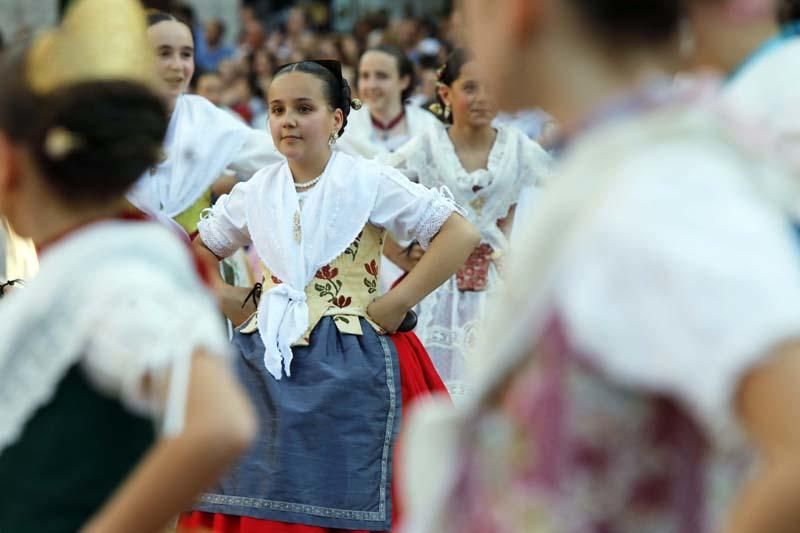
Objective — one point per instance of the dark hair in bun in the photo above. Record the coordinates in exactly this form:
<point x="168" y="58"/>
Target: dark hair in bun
<point x="634" y="21"/>
<point x="335" y="88"/>
<point x="91" y="141"/>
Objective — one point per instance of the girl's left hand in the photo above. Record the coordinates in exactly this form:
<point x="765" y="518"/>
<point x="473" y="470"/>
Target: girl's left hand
<point x="387" y="312"/>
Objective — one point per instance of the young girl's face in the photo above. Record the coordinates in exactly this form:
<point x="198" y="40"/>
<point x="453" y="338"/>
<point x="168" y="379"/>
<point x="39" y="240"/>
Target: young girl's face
<point x="379" y="81"/>
<point x="472" y="101"/>
<point x="174" y="48"/>
<point x="300" y="119"/>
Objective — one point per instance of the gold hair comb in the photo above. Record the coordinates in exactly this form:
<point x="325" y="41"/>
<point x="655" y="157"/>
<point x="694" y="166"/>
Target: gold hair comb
<point x="99" y="40"/>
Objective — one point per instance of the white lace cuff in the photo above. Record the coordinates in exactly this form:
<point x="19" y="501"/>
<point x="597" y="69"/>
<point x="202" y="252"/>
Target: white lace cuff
<point x="214" y="237"/>
<point x="439" y="210"/>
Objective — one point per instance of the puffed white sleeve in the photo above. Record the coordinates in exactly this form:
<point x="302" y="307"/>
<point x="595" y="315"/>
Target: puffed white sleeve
<point x="257" y="152"/>
<point x="409" y="159"/>
<point x="411" y="211"/>
<point x="223" y="227"/>
<point x="145" y="332"/>
<point x="683" y="282"/>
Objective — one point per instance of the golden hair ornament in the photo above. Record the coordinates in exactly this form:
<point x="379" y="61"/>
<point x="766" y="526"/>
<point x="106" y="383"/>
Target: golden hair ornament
<point x="436" y="109"/>
<point x="98" y="40"/>
<point x="356" y="104"/>
<point x="440" y="72"/>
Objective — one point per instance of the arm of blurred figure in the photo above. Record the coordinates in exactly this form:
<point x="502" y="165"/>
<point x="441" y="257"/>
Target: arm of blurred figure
<point x="219" y="427"/>
<point x="770" y="412"/>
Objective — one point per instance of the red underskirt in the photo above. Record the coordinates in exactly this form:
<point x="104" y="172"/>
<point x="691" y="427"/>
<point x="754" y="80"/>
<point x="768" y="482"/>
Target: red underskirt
<point x="418" y="378"/>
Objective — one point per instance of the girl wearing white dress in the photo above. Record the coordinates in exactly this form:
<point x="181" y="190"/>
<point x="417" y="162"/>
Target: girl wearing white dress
<point x="485" y="168"/>
<point x="202" y="140"/>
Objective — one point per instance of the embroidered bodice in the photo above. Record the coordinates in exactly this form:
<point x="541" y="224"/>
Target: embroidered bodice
<point x="342" y="289"/>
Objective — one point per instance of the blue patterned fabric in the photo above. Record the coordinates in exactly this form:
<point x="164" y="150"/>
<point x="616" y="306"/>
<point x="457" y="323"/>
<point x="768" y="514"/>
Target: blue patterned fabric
<point x="324" y="452"/>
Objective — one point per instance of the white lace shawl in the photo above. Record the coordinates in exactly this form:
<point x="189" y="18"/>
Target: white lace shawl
<point x="515" y="163"/>
<point x="201" y="142"/>
<point x="123" y="300"/>
<point x="352" y="192"/>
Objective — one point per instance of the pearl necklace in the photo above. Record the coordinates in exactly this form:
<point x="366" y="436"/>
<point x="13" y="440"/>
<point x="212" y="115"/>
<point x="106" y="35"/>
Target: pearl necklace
<point x="308" y="184"/>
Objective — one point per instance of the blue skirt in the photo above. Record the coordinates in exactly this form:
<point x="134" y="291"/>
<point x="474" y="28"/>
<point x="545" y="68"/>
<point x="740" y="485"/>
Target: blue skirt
<point x="323" y="455"/>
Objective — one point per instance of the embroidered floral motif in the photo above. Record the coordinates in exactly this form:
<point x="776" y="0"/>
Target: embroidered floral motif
<point x="342" y="301"/>
<point x="371" y="283"/>
<point x="332" y="287"/>
<point x="477" y="204"/>
<point x="474" y="275"/>
<point x="327" y="273"/>
<point x="352" y="250"/>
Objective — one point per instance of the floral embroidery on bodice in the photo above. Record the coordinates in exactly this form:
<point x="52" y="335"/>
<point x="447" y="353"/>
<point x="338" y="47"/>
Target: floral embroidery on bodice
<point x="562" y="450"/>
<point x="342" y="289"/>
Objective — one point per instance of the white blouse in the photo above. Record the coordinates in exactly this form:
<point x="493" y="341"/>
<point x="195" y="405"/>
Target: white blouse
<point x="515" y="163"/>
<point x="405" y="209"/>
<point x="295" y="242"/>
<point x="201" y="142"/>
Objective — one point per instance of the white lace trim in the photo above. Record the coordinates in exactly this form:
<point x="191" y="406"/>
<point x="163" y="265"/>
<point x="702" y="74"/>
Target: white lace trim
<point x="71" y="310"/>
<point x="153" y="332"/>
<point x="515" y="162"/>
<point x="441" y="207"/>
<point x="213" y="237"/>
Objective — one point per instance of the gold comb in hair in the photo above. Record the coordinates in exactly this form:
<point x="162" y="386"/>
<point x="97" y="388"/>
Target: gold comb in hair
<point x="98" y="40"/>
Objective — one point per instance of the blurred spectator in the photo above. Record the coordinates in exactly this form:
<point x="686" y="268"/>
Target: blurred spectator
<point x="350" y="50"/>
<point x="211" y="49"/>
<point x="209" y="86"/>
<point x="253" y="36"/>
<point x="2" y="42"/>
<point x="426" y="91"/>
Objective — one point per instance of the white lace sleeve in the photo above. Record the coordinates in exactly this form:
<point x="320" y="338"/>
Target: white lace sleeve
<point x="223" y="227"/>
<point x="145" y="334"/>
<point x="409" y="210"/>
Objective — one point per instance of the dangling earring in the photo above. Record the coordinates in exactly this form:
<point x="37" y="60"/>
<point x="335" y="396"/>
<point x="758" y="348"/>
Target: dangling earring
<point x="447" y="111"/>
<point x="332" y="139"/>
